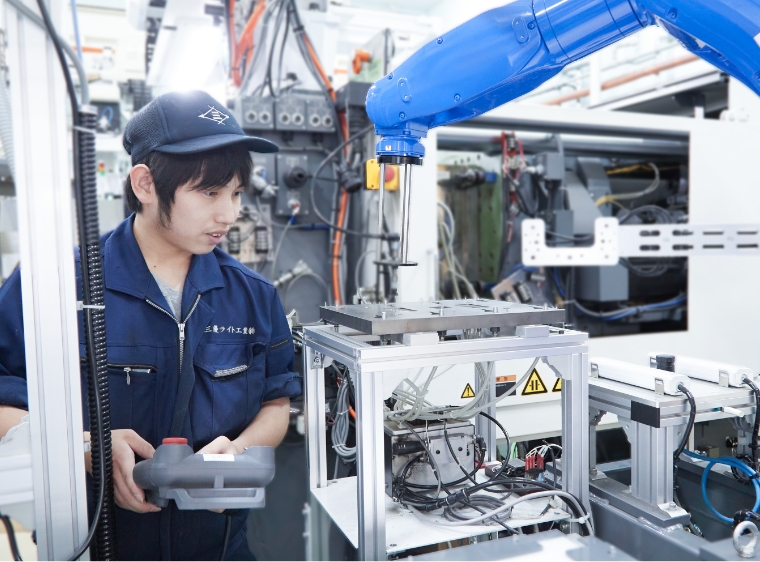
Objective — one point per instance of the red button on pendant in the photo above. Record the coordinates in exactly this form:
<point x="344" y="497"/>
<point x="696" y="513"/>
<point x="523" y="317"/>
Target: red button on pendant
<point x="174" y="441"/>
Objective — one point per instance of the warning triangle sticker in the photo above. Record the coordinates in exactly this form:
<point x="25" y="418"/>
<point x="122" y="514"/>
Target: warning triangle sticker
<point x="534" y="385"/>
<point x="557" y="386"/>
<point x="468" y="392"/>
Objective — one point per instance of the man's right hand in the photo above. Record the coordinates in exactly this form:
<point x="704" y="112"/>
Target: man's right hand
<point x="128" y="495"/>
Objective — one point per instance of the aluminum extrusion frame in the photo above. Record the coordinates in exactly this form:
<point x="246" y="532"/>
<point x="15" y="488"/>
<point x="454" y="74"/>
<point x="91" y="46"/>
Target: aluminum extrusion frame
<point x="567" y="351"/>
<point x="48" y="284"/>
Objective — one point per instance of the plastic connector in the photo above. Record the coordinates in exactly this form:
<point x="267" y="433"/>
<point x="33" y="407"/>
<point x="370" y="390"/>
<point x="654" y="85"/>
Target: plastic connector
<point x="534" y="463"/>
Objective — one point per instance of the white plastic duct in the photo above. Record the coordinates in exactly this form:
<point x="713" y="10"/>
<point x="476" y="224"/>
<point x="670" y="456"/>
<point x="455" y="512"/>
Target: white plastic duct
<point x="636" y="375"/>
<point x="724" y="374"/>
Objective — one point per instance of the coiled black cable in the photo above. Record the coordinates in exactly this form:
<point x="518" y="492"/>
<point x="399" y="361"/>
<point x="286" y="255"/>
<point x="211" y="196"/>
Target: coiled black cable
<point x="92" y="270"/>
<point x="93" y="291"/>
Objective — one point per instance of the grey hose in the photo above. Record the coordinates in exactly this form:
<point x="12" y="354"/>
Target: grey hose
<point x="341" y="426"/>
<point x="84" y="88"/>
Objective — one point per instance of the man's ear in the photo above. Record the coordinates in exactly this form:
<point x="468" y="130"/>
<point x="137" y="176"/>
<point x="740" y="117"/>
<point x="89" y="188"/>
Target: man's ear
<point x="142" y="184"/>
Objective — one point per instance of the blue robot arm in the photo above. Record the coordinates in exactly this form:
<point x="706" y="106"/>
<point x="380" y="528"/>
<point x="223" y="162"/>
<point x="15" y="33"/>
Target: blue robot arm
<point x="509" y="51"/>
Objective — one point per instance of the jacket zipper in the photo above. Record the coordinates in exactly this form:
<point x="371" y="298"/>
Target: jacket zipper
<point x="128" y="369"/>
<point x="180" y="326"/>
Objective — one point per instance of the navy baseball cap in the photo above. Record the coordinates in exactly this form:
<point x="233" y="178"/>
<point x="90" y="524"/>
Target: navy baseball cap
<point x="186" y="123"/>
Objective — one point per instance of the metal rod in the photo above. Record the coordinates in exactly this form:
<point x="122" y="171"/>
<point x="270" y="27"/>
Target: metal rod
<point x="405" y="213"/>
<point x="379" y="252"/>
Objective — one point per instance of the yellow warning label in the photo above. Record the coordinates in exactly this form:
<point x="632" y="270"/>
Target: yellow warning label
<point x="534" y="385"/>
<point x="468" y="392"/>
<point x="557" y="386"/>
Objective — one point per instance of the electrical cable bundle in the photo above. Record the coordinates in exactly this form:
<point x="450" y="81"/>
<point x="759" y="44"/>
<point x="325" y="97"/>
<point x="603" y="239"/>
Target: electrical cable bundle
<point x="472" y="505"/>
<point x="629" y="196"/>
<point x="314" y="178"/>
<point x="93" y="291"/>
<point x="417" y="408"/>
<point x="755" y="445"/>
<point x="341" y="426"/>
<point x="620" y="313"/>
<point x="753" y="459"/>
<point x="535" y="459"/>
<point x="542" y="450"/>
<point x="731" y="462"/>
<point x="446" y="236"/>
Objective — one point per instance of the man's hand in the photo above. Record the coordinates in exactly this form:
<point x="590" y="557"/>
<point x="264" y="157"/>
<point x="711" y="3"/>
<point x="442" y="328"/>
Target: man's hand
<point x="221" y="446"/>
<point x="124" y="444"/>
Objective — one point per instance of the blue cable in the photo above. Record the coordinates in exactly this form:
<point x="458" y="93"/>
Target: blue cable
<point x="625" y="313"/>
<point x="644" y="308"/>
<point x="515" y="269"/>
<point x="732" y="462"/>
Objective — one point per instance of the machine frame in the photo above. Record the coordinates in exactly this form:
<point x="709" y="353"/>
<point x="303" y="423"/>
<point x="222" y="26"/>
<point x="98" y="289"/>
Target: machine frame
<point x="565" y="349"/>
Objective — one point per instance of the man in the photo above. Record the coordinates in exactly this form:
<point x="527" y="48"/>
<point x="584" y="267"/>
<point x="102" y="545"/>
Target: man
<point x="180" y="315"/>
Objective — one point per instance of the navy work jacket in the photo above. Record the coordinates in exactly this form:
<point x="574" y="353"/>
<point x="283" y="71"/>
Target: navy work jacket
<point x="237" y="347"/>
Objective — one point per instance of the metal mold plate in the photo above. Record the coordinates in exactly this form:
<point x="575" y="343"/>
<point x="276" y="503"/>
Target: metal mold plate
<point x="438" y="316"/>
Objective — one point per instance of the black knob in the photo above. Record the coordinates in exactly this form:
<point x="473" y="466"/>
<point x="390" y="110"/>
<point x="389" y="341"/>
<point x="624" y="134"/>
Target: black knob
<point x="296" y="177"/>
<point x="666" y="363"/>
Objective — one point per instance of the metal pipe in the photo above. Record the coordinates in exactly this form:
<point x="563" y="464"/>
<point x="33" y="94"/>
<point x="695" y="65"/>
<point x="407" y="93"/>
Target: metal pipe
<point x="405" y="213"/>
<point x="625" y="79"/>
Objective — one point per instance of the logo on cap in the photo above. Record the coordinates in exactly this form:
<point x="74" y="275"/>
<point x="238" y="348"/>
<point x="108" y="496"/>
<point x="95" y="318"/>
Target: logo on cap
<point x="213" y="114"/>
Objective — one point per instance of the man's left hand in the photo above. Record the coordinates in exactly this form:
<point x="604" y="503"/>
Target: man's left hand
<point x="221" y="446"/>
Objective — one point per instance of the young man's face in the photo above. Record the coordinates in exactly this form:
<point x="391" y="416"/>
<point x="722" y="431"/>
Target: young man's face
<point x="199" y="219"/>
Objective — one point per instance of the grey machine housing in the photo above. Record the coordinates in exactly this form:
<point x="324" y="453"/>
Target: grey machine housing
<point x="198" y="481"/>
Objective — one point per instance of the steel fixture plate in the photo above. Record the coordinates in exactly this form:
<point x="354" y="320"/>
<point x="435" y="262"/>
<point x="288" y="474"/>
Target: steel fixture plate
<point x="438" y="316"/>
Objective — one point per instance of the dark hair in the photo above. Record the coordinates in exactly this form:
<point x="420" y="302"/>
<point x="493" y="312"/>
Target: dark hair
<point x="205" y="170"/>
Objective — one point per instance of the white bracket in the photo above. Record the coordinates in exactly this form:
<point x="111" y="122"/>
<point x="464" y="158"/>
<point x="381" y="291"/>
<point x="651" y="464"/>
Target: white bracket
<point x="604" y="251"/>
<point x="613" y="241"/>
<point x="672" y="240"/>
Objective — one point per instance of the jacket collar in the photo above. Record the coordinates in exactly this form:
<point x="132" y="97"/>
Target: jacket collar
<point x="127" y="272"/>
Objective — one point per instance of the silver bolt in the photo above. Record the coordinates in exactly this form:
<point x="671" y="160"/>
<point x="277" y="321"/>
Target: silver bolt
<point x="672" y="505"/>
<point x="382" y="315"/>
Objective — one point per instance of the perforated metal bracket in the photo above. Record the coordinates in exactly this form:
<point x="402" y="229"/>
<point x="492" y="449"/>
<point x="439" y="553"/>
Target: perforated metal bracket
<point x="672" y="240"/>
<point x="613" y="241"/>
<point x="604" y="251"/>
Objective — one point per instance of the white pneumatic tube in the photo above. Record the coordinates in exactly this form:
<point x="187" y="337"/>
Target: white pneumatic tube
<point x="709" y="371"/>
<point x="636" y="375"/>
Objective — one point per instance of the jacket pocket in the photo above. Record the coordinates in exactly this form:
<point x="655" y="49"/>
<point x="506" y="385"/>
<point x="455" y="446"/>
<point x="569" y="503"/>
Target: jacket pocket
<point x="132" y="388"/>
<point x="140" y="373"/>
<point x="227" y="379"/>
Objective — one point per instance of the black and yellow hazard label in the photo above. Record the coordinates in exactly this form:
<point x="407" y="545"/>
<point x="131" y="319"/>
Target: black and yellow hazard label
<point x="557" y="386"/>
<point x="534" y="385"/>
<point x="468" y="392"/>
